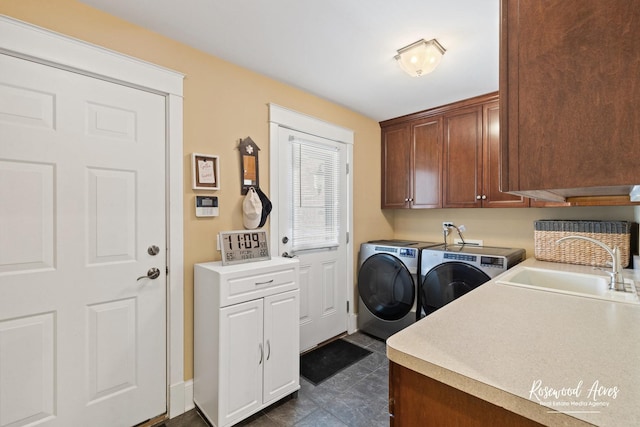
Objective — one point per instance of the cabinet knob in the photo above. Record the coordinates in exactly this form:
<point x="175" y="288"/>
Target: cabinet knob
<point x="484" y="197"/>
<point x="478" y="197"/>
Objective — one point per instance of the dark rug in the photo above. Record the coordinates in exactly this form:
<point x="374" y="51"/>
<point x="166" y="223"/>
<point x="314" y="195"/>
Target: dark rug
<point x="326" y="361"/>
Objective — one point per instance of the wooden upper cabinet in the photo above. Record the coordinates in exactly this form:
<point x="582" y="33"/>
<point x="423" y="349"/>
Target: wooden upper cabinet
<point x="471" y="170"/>
<point x="396" y="161"/>
<point x="426" y="171"/>
<point x="462" y="169"/>
<point x="569" y="94"/>
<point x="411" y="164"/>
<point x="491" y="162"/>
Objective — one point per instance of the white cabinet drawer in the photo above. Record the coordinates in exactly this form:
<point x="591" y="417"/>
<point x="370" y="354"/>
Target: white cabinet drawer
<point x="234" y="284"/>
<point x="252" y="286"/>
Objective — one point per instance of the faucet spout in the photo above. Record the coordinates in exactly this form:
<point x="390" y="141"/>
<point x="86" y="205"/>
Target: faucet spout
<point x="617" y="281"/>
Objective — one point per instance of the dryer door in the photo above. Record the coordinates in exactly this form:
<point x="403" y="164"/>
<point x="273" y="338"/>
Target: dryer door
<point x="386" y="287"/>
<point x="446" y="282"/>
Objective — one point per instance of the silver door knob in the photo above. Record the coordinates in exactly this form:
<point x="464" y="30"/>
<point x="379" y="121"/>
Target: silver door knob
<point x="153" y="273"/>
<point x="153" y="250"/>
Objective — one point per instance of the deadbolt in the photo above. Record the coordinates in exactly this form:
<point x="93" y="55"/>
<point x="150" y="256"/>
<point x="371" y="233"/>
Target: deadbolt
<point x="285" y="240"/>
<point x="153" y="250"/>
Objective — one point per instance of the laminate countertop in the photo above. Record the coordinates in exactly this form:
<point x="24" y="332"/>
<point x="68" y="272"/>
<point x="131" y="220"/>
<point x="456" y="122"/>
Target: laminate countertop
<point x="553" y="358"/>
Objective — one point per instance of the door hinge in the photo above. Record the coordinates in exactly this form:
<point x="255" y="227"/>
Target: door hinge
<point x="347" y="168"/>
<point x="347" y="237"/>
<point x="347" y="306"/>
<point x="167" y="269"/>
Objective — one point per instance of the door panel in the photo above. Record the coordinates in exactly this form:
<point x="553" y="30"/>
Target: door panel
<point x="311" y="229"/>
<point x="241" y="336"/>
<point x="27" y="369"/>
<point x="26" y="229"/>
<point x="82" y="196"/>
<point x="282" y="363"/>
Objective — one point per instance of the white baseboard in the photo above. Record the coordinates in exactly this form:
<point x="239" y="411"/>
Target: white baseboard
<point x="180" y="398"/>
<point x="353" y="323"/>
<point x="176" y="399"/>
<point x="188" y="396"/>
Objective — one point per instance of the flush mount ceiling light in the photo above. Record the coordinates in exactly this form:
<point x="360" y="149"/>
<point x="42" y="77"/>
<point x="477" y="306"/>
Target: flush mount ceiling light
<point x="421" y="57"/>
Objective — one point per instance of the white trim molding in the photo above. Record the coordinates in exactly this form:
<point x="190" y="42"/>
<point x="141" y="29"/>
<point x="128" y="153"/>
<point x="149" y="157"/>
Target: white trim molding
<point x="37" y="44"/>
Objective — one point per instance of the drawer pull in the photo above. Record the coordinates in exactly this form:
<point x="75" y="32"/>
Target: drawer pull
<point x="264" y="283"/>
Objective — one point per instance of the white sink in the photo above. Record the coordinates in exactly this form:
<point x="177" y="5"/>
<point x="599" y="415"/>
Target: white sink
<point x="570" y="283"/>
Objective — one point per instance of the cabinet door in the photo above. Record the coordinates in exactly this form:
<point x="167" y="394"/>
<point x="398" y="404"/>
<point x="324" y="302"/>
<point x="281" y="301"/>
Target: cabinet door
<point x="462" y="168"/>
<point x="396" y="153"/>
<point x="427" y="163"/>
<point x="568" y="84"/>
<point x="241" y="360"/>
<point x="282" y="345"/>
<point x="491" y="163"/>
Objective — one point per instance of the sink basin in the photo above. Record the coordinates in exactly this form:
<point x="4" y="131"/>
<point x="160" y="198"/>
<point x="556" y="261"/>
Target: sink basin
<point x="570" y="283"/>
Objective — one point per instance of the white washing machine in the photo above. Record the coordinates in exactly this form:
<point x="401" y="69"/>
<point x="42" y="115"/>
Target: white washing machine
<point x="387" y="285"/>
<point x="449" y="271"/>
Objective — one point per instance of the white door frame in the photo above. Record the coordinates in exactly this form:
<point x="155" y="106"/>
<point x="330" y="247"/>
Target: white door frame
<point x="283" y="117"/>
<point x="37" y="44"/>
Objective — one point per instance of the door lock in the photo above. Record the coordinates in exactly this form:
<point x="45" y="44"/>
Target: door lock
<point x="285" y="240"/>
<point x="153" y="273"/>
<point x="153" y="250"/>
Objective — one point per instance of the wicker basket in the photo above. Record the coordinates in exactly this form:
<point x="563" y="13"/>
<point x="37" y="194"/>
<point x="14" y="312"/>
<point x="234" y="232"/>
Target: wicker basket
<point x="611" y="233"/>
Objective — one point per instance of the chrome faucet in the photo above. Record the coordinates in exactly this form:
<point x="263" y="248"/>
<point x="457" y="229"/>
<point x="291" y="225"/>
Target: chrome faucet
<point x="617" y="281"/>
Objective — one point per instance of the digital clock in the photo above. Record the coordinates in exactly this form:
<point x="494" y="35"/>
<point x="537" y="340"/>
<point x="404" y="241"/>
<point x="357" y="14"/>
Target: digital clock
<point x="244" y="246"/>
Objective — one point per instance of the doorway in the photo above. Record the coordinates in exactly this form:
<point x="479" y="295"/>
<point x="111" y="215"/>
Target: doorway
<point x="43" y="176"/>
<point x="311" y="188"/>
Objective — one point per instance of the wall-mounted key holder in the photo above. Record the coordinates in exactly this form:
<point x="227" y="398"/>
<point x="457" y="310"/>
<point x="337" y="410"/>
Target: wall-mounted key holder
<point x="249" y="167"/>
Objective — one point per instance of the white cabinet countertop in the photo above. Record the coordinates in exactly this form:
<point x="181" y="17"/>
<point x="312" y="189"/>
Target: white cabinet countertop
<point x="556" y="359"/>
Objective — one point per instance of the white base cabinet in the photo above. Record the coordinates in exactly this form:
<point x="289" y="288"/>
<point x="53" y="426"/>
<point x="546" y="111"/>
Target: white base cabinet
<point x="246" y="337"/>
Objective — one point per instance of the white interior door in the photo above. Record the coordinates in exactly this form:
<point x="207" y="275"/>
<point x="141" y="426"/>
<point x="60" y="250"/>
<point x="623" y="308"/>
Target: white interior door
<point x="313" y="225"/>
<point x="82" y="198"/>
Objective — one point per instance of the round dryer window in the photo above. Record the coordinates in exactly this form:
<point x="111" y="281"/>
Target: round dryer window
<point x="446" y="282"/>
<point x="386" y="287"/>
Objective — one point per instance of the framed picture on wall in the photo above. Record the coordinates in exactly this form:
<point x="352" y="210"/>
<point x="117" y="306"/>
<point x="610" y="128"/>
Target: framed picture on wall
<point x="205" y="172"/>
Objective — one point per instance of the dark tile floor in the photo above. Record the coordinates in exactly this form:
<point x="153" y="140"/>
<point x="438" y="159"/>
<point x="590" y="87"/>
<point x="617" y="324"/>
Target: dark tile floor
<point x="354" y="397"/>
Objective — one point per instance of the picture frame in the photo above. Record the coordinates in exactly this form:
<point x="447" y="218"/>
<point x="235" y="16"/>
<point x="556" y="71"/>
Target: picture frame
<point x="205" y="172"/>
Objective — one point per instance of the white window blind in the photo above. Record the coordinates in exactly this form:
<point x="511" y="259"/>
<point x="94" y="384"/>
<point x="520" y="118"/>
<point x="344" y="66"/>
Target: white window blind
<point x="315" y="187"/>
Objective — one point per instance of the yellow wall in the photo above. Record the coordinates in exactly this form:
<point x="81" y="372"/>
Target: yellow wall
<point x="497" y="227"/>
<point x="222" y="103"/>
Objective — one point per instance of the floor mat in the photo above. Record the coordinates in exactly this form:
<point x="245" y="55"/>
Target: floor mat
<point x="326" y="361"/>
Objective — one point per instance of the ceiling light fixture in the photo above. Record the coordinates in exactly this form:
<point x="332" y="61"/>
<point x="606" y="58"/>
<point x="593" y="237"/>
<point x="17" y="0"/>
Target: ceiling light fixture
<point x="421" y="57"/>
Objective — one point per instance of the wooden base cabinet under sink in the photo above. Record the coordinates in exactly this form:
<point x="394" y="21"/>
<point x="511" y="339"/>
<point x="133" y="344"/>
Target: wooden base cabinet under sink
<point x="417" y="400"/>
<point x="246" y="337"/>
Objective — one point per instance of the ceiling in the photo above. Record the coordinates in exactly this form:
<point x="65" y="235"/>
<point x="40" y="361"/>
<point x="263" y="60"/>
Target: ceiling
<point x="340" y="50"/>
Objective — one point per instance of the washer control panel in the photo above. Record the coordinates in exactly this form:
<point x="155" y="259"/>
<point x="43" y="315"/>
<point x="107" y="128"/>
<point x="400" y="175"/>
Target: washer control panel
<point x="485" y="261"/>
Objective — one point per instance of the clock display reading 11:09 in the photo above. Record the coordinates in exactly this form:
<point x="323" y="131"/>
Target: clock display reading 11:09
<point x="244" y="246"/>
